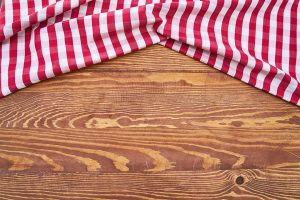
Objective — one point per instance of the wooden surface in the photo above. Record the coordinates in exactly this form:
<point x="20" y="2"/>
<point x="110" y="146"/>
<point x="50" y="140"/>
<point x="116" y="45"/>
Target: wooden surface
<point x="150" y="125"/>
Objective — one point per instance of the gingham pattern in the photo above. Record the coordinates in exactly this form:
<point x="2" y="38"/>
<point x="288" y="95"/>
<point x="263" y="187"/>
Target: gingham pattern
<point x="252" y="40"/>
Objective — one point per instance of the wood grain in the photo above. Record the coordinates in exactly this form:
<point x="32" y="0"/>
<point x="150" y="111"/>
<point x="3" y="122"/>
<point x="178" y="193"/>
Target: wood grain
<point x="152" y="124"/>
<point x="258" y="184"/>
<point x="153" y="150"/>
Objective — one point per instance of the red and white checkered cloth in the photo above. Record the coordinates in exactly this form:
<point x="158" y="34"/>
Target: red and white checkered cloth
<point x="256" y="41"/>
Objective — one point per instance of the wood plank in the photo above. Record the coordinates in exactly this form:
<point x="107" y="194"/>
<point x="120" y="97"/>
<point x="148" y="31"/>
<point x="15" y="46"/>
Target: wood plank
<point x="251" y="184"/>
<point x="144" y="150"/>
<point x="135" y="99"/>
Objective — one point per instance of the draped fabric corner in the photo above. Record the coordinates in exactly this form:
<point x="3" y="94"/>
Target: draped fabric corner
<point x="255" y="41"/>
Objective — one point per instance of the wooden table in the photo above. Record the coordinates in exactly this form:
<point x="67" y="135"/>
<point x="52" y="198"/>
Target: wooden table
<point x="150" y="125"/>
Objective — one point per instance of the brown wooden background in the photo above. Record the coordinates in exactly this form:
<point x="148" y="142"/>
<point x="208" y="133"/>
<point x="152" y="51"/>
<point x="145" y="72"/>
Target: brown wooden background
<point x="150" y="125"/>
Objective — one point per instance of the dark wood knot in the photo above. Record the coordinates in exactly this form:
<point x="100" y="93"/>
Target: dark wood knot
<point x="239" y="180"/>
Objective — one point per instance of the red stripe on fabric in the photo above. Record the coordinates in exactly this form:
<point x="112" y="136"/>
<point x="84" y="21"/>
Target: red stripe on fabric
<point x="211" y="31"/>
<point x="266" y="29"/>
<point x="296" y="95"/>
<point x="251" y="41"/>
<point x="82" y="32"/>
<point x="59" y="18"/>
<point x="156" y="10"/>
<point x="283" y="85"/>
<point x="98" y="39"/>
<point x="2" y="11"/>
<point x="75" y="12"/>
<point x="40" y="58"/>
<point x="38" y="46"/>
<point x="53" y="50"/>
<point x="184" y="48"/>
<point x="84" y="43"/>
<point x="238" y="39"/>
<point x="293" y="40"/>
<point x="27" y="62"/>
<point x="169" y="43"/>
<point x="105" y="6"/>
<point x="50" y="12"/>
<point x="111" y="27"/>
<point x="278" y="50"/>
<point x="279" y="35"/>
<point x="90" y="7"/>
<point x="143" y="25"/>
<point x="183" y="22"/>
<point x="2" y="22"/>
<point x="16" y="25"/>
<point x="53" y="41"/>
<point x="169" y="18"/>
<point x="149" y="1"/>
<point x="198" y="54"/>
<point x="13" y="50"/>
<point x="31" y="7"/>
<point x="13" y="53"/>
<point x="45" y="3"/>
<point x="120" y="4"/>
<point x="265" y="43"/>
<point x="269" y="78"/>
<point x="224" y="29"/>
<point x="212" y="59"/>
<point x="69" y="45"/>
<point x="197" y="24"/>
<point x="1" y="94"/>
<point x="128" y="30"/>
<point x="27" y="59"/>
<point x="134" y="3"/>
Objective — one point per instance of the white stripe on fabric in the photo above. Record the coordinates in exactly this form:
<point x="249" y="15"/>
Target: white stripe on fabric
<point x="105" y="36"/>
<point x="245" y="36"/>
<point x="46" y="52"/>
<point x="20" y="60"/>
<point x="33" y="72"/>
<point x="77" y="44"/>
<point x="272" y="34"/>
<point x="135" y="22"/>
<point x="4" y="67"/>
<point x="204" y="26"/>
<point x="90" y="38"/>
<point x="298" y="45"/>
<point x="61" y="48"/>
<point x="286" y="38"/>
